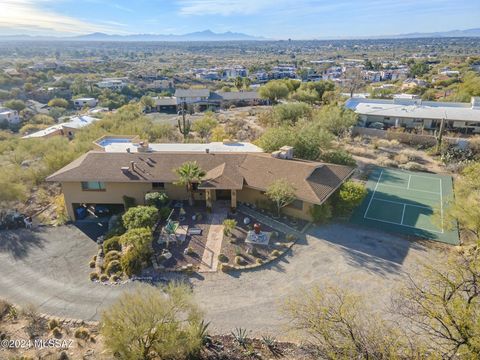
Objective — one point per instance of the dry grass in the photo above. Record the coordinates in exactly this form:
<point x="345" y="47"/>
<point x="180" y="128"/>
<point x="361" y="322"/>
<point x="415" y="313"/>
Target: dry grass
<point x="386" y="161"/>
<point x="360" y="150"/>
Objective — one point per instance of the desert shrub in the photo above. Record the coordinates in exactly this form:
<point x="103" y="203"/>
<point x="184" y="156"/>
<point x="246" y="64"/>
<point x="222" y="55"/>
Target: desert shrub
<point x="140" y="240"/>
<point x="239" y="260"/>
<point x="413" y="166"/>
<point x="340" y="157"/>
<point x="57" y="332"/>
<point x="401" y="158"/>
<point x="291" y="237"/>
<point x="321" y="213"/>
<point x="190" y="251"/>
<point x="275" y="253"/>
<point x="52" y="324"/>
<point x="164" y="213"/>
<point x="115" y="227"/>
<point x="113" y="267"/>
<point x="104" y="278"/>
<point x="386" y="161"/>
<point x="225" y="267"/>
<point x="131" y="263"/>
<point x="157" y="199"/>
<point x="475" y="144"/>
<point x="92" y="264"/>
<point x="112" y="244"/>
<point x="148" y="322"/>
<point x="228" y="226"/>
<point x="360" y="150"/>
<point x="82" y="333"/>
<point x="259" y="261"/>
<point x="128" y="202"/>
<point x="112" y="255"/>
<point x="454" y="154"/>
<point x="140" y="217"/>
<point x="93" y="276"/>
<point x="348" y="197"/>
<point x="114" y="278"/>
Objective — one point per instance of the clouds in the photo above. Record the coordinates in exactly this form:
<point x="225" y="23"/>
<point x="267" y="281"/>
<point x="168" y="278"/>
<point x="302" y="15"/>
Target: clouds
<point x="34" y="16"/>
<point x="225" y="7"/>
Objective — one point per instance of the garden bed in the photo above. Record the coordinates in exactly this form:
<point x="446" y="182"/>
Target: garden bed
<point x="194" y="243"/>
<point x="237" y="253"/>
<point x="290" y="221"/>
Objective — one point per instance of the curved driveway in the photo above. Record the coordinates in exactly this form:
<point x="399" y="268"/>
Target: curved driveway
<point x="48" y="267"/>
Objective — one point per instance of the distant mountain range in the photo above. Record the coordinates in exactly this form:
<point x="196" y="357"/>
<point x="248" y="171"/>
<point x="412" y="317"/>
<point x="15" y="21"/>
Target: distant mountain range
<point x="443" y="34"/>
<point x="208" y="35"/>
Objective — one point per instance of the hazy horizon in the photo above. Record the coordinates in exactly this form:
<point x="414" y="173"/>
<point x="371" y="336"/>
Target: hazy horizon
<point x="279" y="19"/>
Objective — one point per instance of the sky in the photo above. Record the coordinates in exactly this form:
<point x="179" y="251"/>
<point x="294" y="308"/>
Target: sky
<point x="273" y="19"/>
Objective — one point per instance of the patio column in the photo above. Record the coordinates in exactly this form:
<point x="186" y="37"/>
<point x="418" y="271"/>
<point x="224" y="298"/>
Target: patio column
<point x="233" y="200"/>
<point x="208" y="198"/>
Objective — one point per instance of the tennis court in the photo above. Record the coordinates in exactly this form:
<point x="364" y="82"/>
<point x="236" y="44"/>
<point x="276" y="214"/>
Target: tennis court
<point x="405" y="202"/>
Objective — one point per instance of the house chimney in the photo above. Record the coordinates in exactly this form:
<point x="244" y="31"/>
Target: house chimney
<point x="132" y="166"/>
<point x="207" y="150"/>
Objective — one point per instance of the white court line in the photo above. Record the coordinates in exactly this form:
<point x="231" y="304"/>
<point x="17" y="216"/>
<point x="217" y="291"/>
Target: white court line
<point x="441" y="202"/>
<point x="409" y="178"/>
<point x="373" y="195"/>
<point x="399" y="187"/>
<point x="401" y="203"/>
<point x="395" y="223"/>
<point x="403" y="213"/>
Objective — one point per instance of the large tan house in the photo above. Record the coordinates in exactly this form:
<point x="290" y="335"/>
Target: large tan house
<point x="100" y="177"/>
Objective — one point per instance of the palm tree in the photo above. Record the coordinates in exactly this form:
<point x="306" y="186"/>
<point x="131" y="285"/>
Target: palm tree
<point x="188" y="174"/>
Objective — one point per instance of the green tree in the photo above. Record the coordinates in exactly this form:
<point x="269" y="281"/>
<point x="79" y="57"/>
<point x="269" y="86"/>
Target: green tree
<point x="239" y="83"/>
<point x="205" y="125"/>
<point x="140" y="217"/>
<point x="335" y="119"/>
<point x="189" y="173"/>
<point x="15" y="104"/>
<point x="151" y="324"/>
<point x="58" y="102"/>
<point x="419" y="68"/>
<point x="348" y="197"/>
<point x="218" y="134"/>
<point x="274" y="90"/>
<point x="282" y="193"/>
<point x="290" y="113"/>
<point x="147" y="102"/>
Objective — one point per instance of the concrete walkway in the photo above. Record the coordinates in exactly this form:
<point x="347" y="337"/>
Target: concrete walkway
<point x="213" y="246"/>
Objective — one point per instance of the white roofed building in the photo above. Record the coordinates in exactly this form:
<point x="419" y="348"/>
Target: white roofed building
<point x="413" y="113"/>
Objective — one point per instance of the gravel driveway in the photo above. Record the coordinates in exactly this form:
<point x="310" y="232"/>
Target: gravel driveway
<point x="49" y="268"/>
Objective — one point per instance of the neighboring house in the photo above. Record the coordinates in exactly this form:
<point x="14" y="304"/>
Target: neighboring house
<point x="82" y="102"/>
<point x="104" y="178"/>
<point x="9" y="116"/>
<point x="116" y="84"/>
<point x="413" y="83"/>
<point x="67" y="129"/>
<point x="205" y="99"/>
<point x="191" y="96"/>
<point x="413" y="113"/>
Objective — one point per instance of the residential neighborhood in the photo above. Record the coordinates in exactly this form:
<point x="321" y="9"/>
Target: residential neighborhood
<point x="300" y="182"/>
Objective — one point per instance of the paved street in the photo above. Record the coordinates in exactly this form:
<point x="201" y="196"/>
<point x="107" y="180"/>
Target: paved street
<point x="49" y="268"/>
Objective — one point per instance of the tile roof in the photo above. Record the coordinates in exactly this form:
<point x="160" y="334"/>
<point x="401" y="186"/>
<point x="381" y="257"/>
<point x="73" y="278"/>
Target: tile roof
<point x="192" y="93"/>
<point x="313" y="181"/>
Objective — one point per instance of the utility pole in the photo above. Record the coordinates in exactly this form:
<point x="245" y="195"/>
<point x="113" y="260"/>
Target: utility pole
<point x="184" y="125"/>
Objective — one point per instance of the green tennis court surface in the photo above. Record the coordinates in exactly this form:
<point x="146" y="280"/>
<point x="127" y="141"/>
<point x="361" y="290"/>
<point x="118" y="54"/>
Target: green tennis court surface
<point x="405" y="202"/>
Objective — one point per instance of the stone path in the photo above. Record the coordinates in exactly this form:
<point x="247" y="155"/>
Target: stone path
<point x="213" y="246"/>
